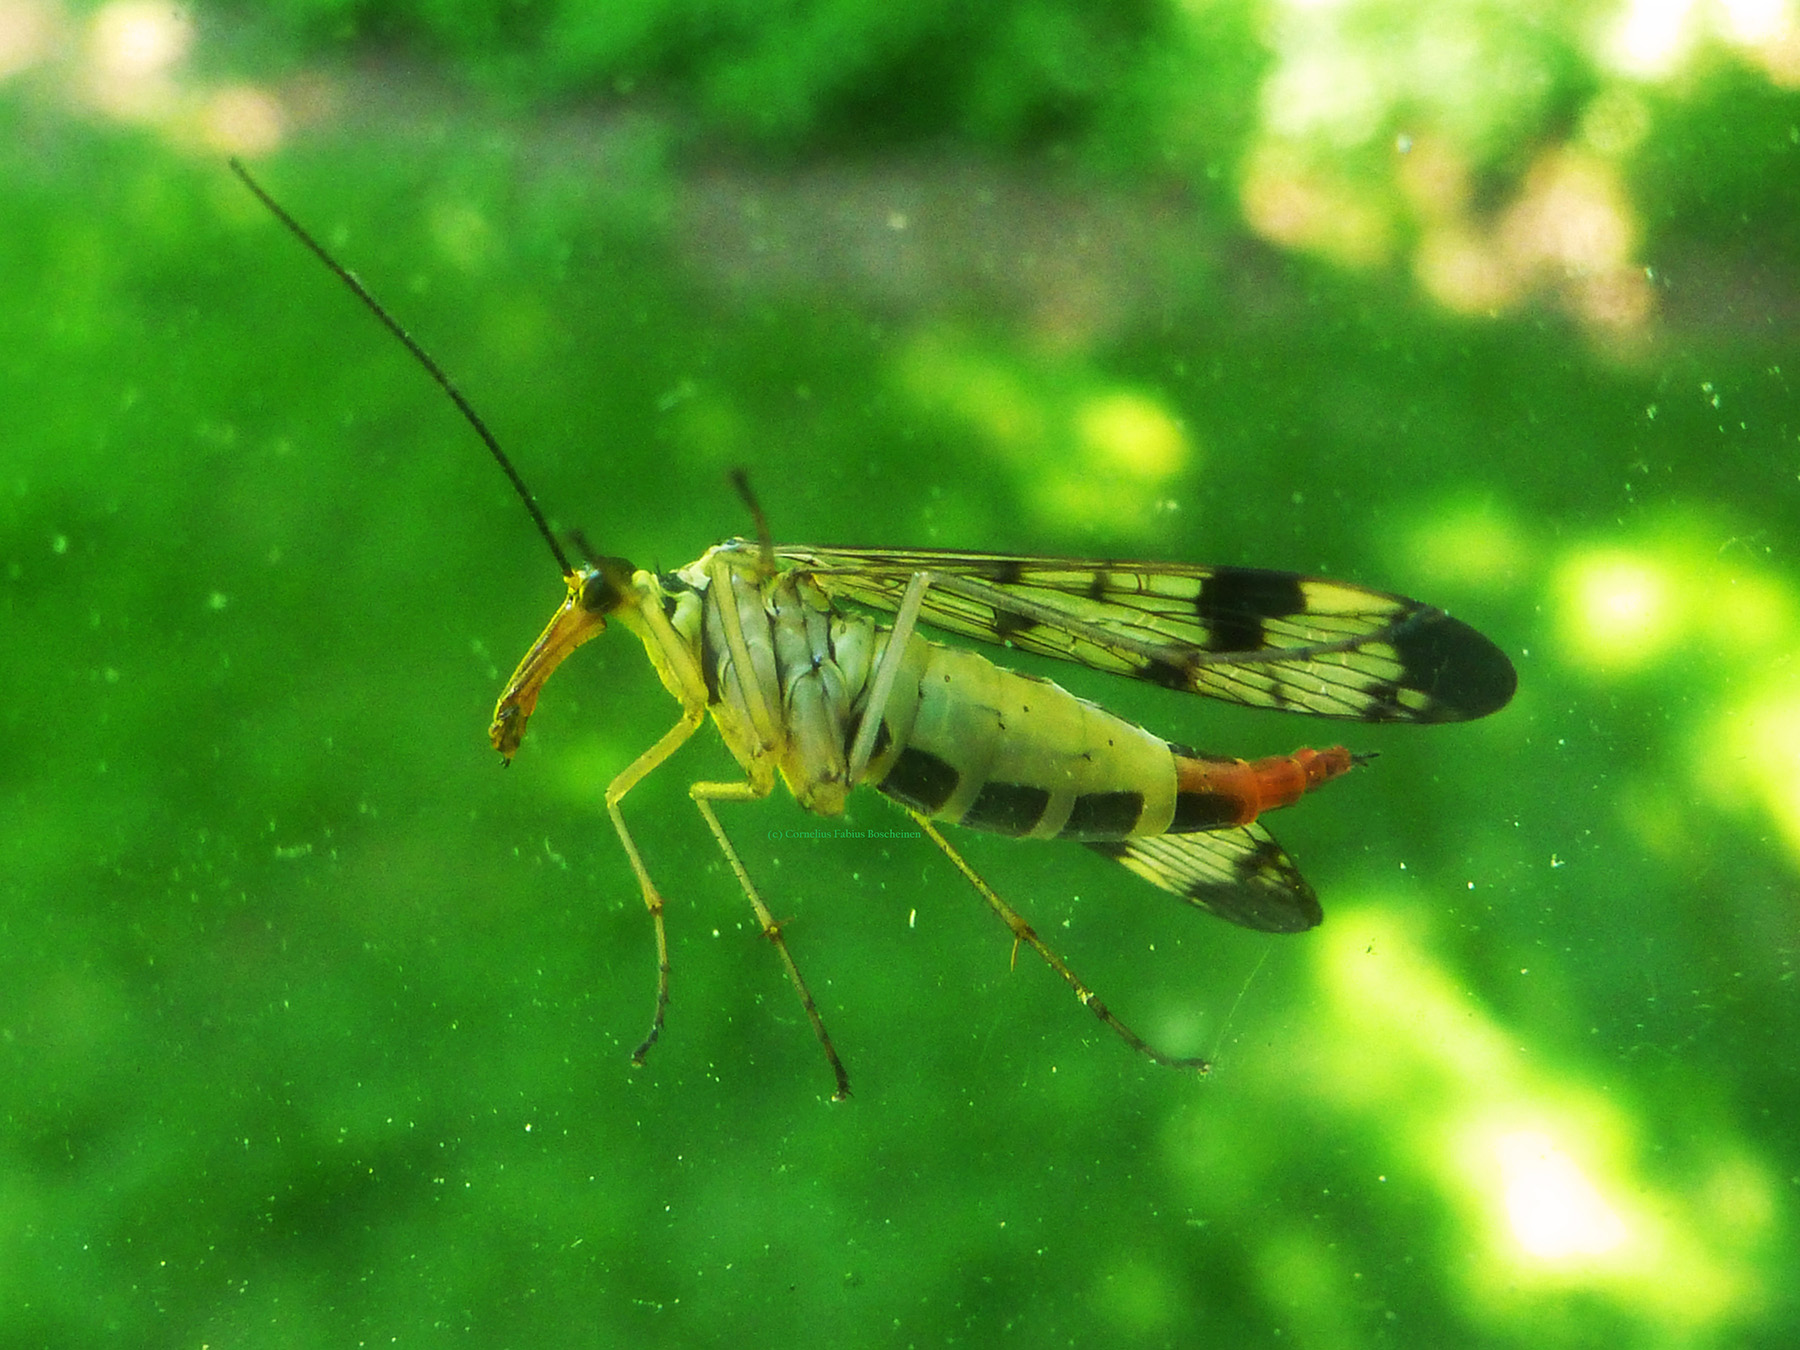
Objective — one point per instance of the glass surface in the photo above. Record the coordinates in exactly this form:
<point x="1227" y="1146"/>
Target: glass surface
<point x="316" y="1026"/>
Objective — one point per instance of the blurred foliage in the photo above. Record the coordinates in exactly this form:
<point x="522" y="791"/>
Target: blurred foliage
<point x="841" y="76"/>
<point x="314" y="1026"/>
<point x="1745" y="131"/>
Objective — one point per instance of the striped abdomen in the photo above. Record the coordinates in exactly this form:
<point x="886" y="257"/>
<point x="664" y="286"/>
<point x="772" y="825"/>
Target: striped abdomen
<point x="968" y="742"/>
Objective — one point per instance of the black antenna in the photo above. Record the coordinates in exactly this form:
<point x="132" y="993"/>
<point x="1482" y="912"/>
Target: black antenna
<point x="740" y="479"/>
<point x="419" y="354"/>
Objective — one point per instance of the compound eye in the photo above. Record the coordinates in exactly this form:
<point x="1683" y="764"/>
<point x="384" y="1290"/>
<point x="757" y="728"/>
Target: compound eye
<point x="598" y="594"/>
<point x="603" y="585"/>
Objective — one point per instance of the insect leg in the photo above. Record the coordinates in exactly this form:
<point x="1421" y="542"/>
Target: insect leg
<point x="1023" y="932"/>
<point x="885" y="674"/>
<point x="633" y="774"/>
<point x="704" y="795"/>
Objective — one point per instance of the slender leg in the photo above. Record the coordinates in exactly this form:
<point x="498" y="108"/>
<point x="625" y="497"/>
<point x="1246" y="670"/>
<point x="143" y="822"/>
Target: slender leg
<point x="704" y="795"/>
<point x="629" y="778"/>
<point x="883" y="684"/>
<point x="1023" y="932"/>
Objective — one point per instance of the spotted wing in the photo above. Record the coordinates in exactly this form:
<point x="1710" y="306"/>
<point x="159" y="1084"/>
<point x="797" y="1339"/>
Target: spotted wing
<point x="1239" y="874"/>
<point x="1257" y="638"/>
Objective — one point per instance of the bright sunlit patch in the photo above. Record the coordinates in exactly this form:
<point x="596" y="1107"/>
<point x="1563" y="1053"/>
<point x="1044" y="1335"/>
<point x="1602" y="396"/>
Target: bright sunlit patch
<point x="1553" y="1190"/>
<point x="1752" y="22"/>
<point x="1571" y="232"/>
<point x="133" y="50"/>
<point x="241" y="120"/>
<point x="1556" y="1212"/>
<point x="26" y="31"/>
<point x="1618" y="611"/>
<point x="1653" y="37"/>
<point x="1656" y="38"/>
<point x="1124" y="452"/>
<point x="1462" y="270"/>
<point x="1343" y="73"/>
<point x="1752" y="757"/>
<point x="946" y="375"/>
<point x="1768" y="33"/>
<point x="1748" y="613"/>
<point x="1385" y="984"/>
<point x="1132" y="434"/>
<point x="1324" y="86"/>
<point x="1572" y="213"/>
<point x="1692" y="587"/>
<point x="1573" y="226"/>
<point x="1446" y="85"/>
<point x="140" y="37"/>
<point x="1302" y="206"/>
<point x="1084" y="449"/>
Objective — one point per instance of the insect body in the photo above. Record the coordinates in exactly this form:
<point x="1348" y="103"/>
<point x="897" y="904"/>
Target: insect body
<point x="781" y="647"/>
<point x="803" y="687"/>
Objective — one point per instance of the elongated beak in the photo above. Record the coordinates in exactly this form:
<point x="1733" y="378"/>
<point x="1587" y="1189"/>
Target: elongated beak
<point x="569" y="627"/>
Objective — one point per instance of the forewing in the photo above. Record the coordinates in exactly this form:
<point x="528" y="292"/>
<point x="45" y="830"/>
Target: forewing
<point x="1239" y="874"/>
<point x="1257" y="638"/>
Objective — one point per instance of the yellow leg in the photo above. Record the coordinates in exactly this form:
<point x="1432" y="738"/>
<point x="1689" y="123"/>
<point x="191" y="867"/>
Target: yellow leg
<point x="704" y="795"/>
<point x="1024" y="933"/>
<point x="633" y="774"/>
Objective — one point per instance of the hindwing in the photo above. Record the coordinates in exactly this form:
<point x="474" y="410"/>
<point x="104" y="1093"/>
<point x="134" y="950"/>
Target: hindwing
<point x="1240" y="874"/>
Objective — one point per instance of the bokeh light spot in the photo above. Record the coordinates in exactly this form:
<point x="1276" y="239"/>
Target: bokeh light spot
<point x="1555" y="1210"/>
<point x="240" y="119"/>
<point x="1133" y="435"/>
<point x="26" y="34"/>
<point x="1751" y="755"/>
<point x="1619" y="611"/>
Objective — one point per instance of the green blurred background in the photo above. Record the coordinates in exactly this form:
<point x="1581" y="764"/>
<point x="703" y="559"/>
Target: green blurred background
<point x="316" y="1025"/>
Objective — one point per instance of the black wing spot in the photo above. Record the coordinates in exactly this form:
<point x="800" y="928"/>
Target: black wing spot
<point x="921" y="780"/>
<point x="1290" y="908"/>
<point x="1008" y="625"/>
<point x="1234" y="601"/>
<point x="1381" y="703"/>
<point x="1169" y="674"/>
<point x="1007" y="808"/>
<point x="1463" y="673"/>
